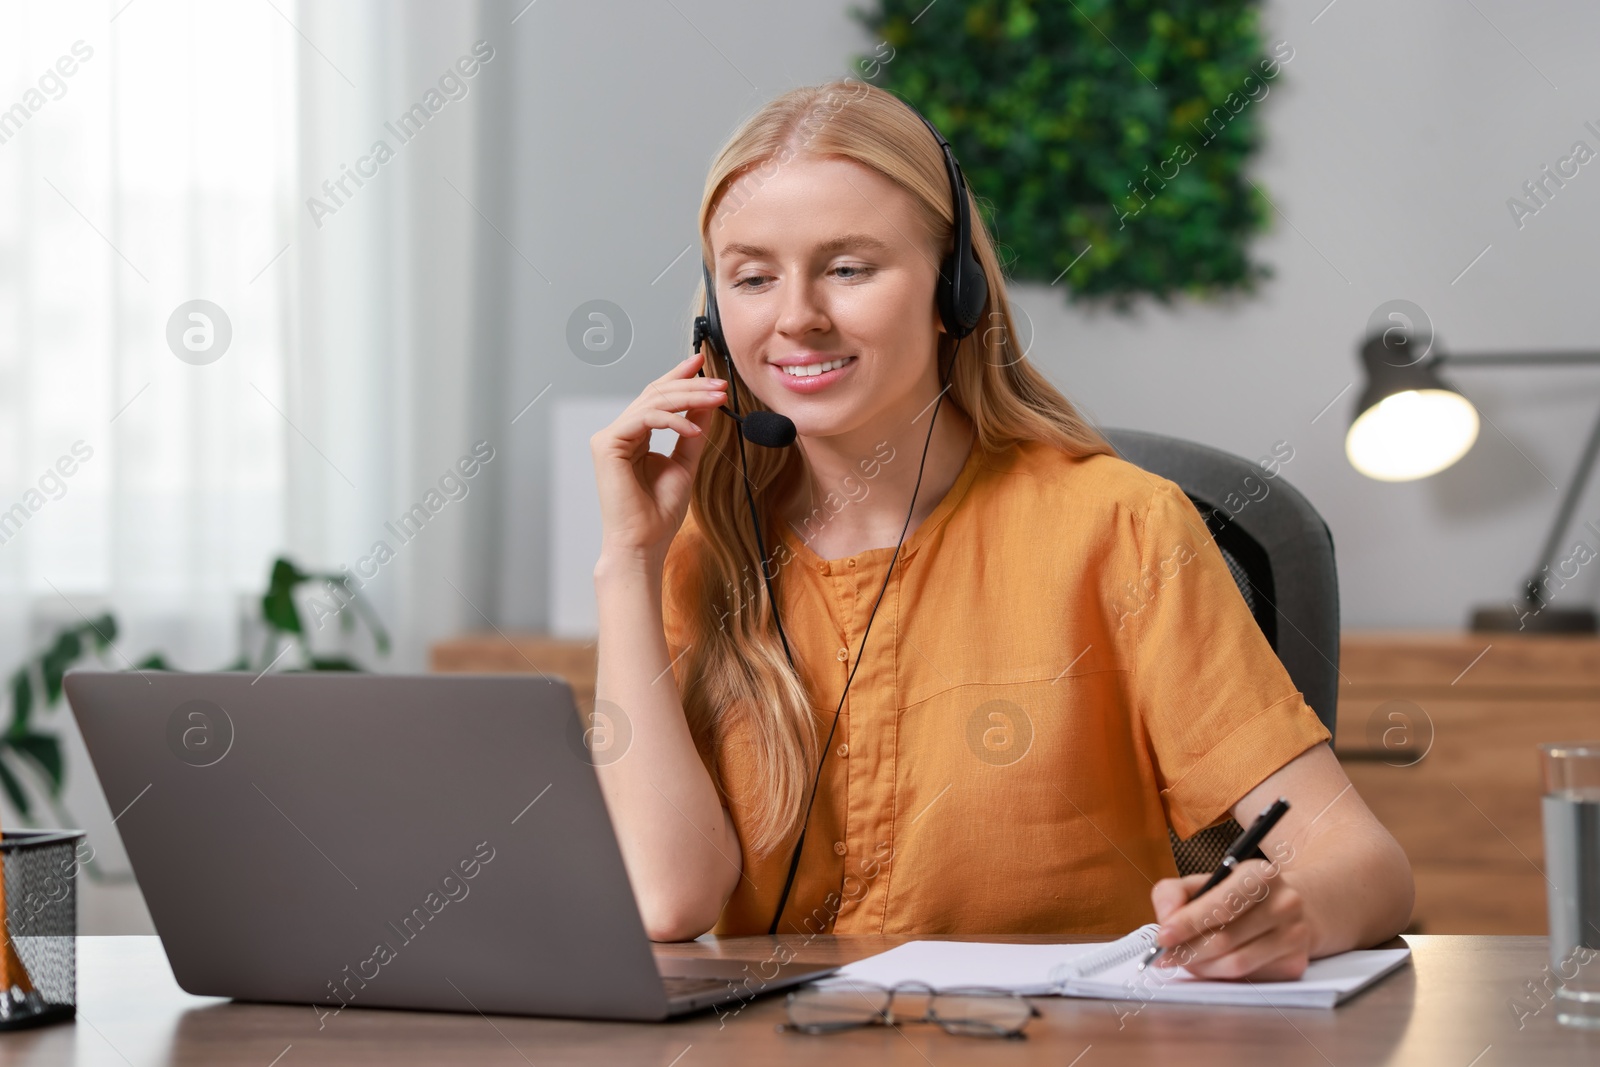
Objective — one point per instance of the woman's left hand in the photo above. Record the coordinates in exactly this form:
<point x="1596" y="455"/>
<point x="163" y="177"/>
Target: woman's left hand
<point x="1251" y="925"/>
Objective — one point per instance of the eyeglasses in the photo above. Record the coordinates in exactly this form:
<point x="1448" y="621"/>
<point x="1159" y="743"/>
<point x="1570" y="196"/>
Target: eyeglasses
<point x="969" y="1011"/>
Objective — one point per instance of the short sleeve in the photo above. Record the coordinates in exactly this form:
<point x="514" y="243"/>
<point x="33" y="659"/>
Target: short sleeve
<point x="1219" y="711"/>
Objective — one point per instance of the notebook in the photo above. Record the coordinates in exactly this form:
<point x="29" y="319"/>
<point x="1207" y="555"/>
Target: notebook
<point x="1110" y="972"/>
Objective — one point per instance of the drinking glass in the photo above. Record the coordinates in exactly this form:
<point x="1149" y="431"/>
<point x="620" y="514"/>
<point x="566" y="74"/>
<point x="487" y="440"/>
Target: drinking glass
<point x="1572" y="874"/>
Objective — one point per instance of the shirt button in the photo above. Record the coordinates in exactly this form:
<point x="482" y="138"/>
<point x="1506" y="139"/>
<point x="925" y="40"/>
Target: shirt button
<point x="852" y="563"/>
<point x="842" y="655"/>
<point x="844" y="750"/>
<point x="838" y="848"/>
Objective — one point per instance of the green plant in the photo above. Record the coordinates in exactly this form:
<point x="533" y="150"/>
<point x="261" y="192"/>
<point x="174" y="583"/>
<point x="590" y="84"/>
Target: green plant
<point x="37" y="683"/>
<point x="281" y="616"/>
<point x="1106" y="139"/>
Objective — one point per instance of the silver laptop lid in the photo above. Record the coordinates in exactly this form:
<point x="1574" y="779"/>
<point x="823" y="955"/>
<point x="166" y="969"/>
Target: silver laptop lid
<point x="432" y="841"/>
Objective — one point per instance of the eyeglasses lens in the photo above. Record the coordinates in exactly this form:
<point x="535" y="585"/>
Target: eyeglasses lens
<point x="980" y="1013"/>
<point x="838" y="1006"/>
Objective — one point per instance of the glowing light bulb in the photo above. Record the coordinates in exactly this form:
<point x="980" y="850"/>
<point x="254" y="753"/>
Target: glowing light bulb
<point x="1412" y="434"/>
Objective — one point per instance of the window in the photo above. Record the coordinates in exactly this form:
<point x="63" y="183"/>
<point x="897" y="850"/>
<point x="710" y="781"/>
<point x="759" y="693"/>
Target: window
<point x="146" y="161"/>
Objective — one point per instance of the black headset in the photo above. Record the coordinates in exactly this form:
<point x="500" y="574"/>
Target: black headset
<point x="960" y="293"/>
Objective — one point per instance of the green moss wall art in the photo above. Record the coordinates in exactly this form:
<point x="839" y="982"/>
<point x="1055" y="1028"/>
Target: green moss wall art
<point x="1106" y="140"/>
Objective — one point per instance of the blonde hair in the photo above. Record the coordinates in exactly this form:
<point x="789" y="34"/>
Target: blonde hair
<point x="735" y="664"/>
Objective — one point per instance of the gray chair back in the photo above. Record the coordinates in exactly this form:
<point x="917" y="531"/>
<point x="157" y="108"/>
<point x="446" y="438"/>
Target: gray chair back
<point x="1281" y="556"/>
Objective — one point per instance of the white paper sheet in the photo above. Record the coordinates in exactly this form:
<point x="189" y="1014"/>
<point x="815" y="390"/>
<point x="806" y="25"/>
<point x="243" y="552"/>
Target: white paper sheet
<point x="1324" y="984"/>
<point x="1026" y="969"/>
<point x="1022" y="969"/>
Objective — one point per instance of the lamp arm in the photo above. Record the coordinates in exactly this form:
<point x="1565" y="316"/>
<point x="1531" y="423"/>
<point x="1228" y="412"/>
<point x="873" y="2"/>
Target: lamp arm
<point x="1569" y="503"/>
<point x="1515" y="359"/>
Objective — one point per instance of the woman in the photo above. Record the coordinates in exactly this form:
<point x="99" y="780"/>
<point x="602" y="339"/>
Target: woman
<point x="1057" y="667"/>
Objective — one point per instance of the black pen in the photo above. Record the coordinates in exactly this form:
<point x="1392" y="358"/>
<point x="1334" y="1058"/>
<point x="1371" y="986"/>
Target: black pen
<point x="1238" y="852"/>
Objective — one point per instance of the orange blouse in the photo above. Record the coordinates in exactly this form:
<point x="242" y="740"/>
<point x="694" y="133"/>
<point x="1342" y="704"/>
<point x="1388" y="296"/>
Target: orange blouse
<point x="1062" y="666"/>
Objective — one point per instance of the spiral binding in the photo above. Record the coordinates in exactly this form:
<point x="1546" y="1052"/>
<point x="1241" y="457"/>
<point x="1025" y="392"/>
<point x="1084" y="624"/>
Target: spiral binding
<point x="1129" y="947"/>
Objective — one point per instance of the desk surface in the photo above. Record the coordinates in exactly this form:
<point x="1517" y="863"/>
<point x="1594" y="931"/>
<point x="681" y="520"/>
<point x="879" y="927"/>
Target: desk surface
<point x="1451" y="1007"/>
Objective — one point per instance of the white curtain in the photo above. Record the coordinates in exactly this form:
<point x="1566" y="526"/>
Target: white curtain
<point x="146" y="163"/>
<point x="147" y="154"/>
<point x="156" y="153"/>
<point x="383" y="374"/>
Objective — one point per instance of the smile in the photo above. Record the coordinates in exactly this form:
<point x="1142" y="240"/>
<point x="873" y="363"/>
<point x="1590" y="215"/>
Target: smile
<point x="811" y="370"/>
<point x="809" y="378"/>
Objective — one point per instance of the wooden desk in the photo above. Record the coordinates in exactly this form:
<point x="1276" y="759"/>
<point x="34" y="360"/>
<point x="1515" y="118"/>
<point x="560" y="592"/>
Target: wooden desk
<point x="1450" y="1007"/>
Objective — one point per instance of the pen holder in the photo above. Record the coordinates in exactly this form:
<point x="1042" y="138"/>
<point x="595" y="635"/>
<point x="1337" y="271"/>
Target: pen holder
<point x="39" y="956"/>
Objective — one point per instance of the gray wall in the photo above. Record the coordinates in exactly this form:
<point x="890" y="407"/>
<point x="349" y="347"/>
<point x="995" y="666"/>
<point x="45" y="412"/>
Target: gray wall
<point x="1394" y="138"/>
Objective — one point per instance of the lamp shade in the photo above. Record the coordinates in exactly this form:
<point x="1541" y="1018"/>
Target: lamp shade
<point x="1409" y="423"/>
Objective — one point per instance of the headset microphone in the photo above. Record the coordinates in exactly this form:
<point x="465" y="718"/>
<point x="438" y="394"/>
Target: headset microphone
<point x="765" y="428"/>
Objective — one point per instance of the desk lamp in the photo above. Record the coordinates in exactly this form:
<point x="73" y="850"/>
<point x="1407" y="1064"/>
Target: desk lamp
<point x="1410" y="423"/>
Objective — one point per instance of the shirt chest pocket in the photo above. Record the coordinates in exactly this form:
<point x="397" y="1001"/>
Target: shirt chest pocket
<point x="990" y="645"/>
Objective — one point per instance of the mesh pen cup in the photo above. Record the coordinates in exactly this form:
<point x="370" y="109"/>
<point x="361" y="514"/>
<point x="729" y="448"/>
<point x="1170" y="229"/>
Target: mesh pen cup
<point x="39" y="959"/>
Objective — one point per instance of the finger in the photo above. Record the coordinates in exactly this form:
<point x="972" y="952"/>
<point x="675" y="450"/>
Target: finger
<point x="690" y="446"/>
<point x="1282" y="953"/>
<point x="1170" y="894"/>
<point x="684" y="396"/>
<point x="629" y="436"/>
<point x="693" y="381"/>
<point x="1253" y="908"/>
<point x="1248" y="924"/>
<point x="656" y="419"/>
<point x="687" y="369"/>
<point x="674" y="389"/>
<point x="1250" y="882"/>
<point x="1272" y="955"/>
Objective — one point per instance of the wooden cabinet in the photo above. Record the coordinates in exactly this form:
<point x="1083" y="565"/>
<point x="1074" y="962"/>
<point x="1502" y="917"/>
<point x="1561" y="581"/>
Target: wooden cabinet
<point x="496" y="653"/>
<point x="1438" y="731"/>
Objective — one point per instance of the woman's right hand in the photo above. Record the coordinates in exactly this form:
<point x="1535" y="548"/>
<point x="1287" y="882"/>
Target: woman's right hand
<point x="644" y="495"/>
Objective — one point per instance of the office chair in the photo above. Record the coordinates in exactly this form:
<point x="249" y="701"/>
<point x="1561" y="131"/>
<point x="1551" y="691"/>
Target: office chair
<point x="1281" y="556"/>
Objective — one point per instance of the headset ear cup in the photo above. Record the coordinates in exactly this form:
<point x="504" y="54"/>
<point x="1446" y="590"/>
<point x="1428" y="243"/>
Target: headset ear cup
<point x="963" y="290"/>
<point x="971" y="294"/>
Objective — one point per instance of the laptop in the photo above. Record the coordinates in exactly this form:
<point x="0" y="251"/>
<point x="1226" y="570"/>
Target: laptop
<point x="395" y="841"/>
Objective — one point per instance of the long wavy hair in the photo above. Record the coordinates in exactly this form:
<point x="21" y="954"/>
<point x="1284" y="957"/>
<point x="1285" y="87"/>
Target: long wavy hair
<point x="735" y="664"/>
